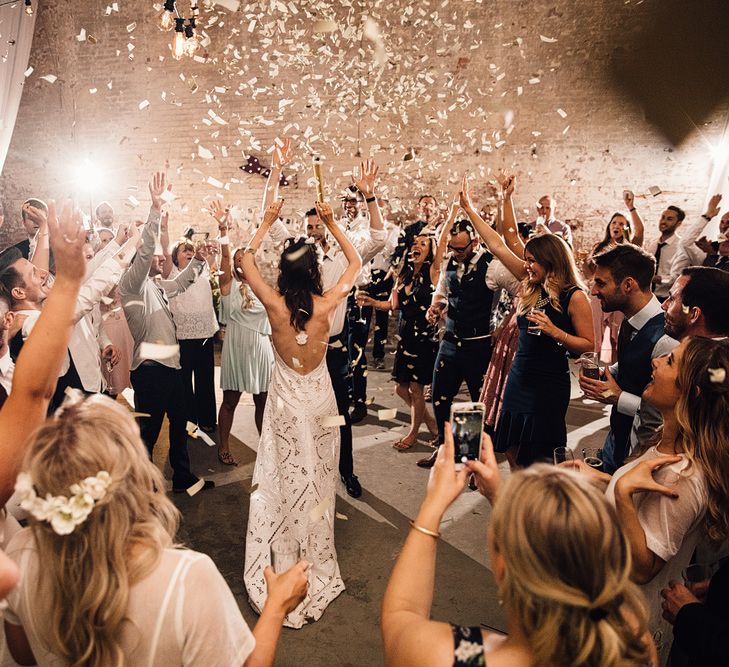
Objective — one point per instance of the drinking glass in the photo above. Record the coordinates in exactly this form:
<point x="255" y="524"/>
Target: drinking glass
<point x="562" y="454"/>
<point x="592" y="456"/>
<point x="285" y="553"/>
<point x="592" y="367"/>
<point x="535" y="332"/>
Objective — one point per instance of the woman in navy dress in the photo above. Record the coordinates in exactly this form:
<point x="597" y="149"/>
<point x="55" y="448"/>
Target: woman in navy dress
<point x="554" y="320"/>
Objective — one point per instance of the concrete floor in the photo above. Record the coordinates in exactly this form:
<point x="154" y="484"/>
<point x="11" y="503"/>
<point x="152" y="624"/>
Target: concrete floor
<point x="369" y="531"/>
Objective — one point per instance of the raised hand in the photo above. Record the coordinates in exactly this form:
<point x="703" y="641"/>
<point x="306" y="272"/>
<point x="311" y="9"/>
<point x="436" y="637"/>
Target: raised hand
<point x="713" y="208"/>
<point x="157" y="187"/>
<point x="37" y="215"/>
<point x="123" y="232"/>
<point x="67" y="238"/>
<point x="272" y="213"/>
<point x="464" y="197"/>
<point x="364" y="181"/>
<point x="281" y="154"/>
<point x="220" y="213"/>
<point x="326" y="215"/>
<point x="704" y="245"/>
<point x="507" y="183"/>
<point x="629" y="199"/>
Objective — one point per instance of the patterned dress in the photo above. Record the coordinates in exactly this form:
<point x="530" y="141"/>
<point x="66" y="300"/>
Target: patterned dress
<point x="296" y="474"/>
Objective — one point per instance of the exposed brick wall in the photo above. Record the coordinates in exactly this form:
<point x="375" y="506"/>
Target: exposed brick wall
<point x="454" y="103"/>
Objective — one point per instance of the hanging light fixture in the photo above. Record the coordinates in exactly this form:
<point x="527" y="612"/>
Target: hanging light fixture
<point x="178" y="42"/>
<point x="29" y="7"/>
<point x="192" y="44"/>
<point x="167" y="16"/>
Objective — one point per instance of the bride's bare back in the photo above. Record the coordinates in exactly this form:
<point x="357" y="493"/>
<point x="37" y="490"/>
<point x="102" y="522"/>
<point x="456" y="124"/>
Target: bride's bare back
<point x="301" y="358"/>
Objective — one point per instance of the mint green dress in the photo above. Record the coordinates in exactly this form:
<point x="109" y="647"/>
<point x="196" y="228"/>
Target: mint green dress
<point x="247" y="358"/>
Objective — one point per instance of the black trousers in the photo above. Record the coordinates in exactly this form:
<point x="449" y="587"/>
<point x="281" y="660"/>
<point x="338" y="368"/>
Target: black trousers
<point x="380" y="289"/>
<point x="158" y="391"/>
<point x="198" y="377"/>
<point x="69" y="380"/>
<point x="338" y="366"/>
<point x="359" y="328"/>
<point x="455" y="363"/>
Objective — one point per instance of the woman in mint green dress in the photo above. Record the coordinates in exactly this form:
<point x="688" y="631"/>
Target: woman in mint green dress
<point x="247" y="358"/>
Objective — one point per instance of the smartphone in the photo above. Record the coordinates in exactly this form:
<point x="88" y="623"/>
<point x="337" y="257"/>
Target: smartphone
<point x="467" y="424"/>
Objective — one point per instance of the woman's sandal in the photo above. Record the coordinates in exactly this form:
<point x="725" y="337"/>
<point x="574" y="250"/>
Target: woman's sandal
<point x="401" y="445"/>
<point x="227" y="458"/>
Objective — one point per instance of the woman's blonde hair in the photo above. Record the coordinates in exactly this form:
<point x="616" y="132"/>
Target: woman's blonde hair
<point x="560" y="268"/>
<point x="567" y="571"/>
<point x="87" y="575"/>
<point x="702" y="412"/>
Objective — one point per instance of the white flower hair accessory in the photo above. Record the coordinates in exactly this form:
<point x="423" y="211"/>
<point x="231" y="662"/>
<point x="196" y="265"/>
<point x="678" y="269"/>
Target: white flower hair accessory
<point x="62" y="513"/>
<point x="717" y="375"/>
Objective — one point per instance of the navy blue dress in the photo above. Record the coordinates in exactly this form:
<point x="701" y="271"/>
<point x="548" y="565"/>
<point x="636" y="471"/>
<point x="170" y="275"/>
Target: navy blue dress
<point x="418" y="344"/>
<point x="537" y="391"/>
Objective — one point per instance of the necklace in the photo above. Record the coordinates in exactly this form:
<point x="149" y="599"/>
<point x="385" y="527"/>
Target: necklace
<point x="302" y="338"/>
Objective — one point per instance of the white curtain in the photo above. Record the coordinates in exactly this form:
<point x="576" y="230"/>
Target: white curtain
<point x="16" y="37"/>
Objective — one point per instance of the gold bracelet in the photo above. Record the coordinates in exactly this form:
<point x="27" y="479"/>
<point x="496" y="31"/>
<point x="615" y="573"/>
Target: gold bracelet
<point x="425" y="531"/>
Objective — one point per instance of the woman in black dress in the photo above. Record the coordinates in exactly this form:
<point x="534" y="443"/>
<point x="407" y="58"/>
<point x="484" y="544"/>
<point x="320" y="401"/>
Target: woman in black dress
<point x="418" y="344"/>
<point x="554" y="320"/>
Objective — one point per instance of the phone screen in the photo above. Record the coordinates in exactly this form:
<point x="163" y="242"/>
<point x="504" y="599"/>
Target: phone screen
<point x="467" y="425"/>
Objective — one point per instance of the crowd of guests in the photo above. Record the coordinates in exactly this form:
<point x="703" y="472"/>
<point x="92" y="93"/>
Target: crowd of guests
<point x="588" y="561"/>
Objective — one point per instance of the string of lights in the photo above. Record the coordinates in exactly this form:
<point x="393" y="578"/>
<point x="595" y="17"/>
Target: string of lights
<point x="186" y="41"/>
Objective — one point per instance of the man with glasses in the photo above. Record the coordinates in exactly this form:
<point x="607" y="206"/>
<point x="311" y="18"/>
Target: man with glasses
<point x="464" y="295"/>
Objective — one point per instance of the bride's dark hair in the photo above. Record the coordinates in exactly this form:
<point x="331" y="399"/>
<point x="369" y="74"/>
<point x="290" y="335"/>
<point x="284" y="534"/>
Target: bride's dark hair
<point x="298" y="279"/>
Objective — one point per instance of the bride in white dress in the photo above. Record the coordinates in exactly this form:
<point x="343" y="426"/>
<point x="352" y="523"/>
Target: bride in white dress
<point x="296" y="469"/>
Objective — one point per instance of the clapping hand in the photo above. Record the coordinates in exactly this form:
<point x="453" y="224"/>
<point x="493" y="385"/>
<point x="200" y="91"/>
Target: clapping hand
<point x="507" y="183"/>
<point x="364" y="178"/>
<point x="157" y="187"/>
<point x="464" y="197"/>
<point x="67" y="239"/>
<point x="36" y="215"/>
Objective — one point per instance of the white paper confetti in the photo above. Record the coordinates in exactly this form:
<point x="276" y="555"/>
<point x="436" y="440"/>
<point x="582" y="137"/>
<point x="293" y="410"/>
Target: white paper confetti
<point x="332" y="421"/>
<point x="387" y="414"/>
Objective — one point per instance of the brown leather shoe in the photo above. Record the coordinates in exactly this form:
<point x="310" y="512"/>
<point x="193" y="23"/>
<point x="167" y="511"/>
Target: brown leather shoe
<point x="428" y="461"/>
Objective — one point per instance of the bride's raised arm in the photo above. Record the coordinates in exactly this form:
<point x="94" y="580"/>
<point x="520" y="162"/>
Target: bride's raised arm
<point x="354" y="261"/>
<point x="494" y="242"/>
<point x="266" y="294"/>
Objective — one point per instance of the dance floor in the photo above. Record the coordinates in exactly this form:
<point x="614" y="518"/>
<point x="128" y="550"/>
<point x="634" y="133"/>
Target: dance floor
<point x="369" y="531"/>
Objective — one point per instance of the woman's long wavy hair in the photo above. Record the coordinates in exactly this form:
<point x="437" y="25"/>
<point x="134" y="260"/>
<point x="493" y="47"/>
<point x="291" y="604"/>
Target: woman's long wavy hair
<point x="567" y="569"/>
<point x="299" y="279"/>
<point x="608" y="240"/>
<point x="702" y="412"/>
<point x="407" y="275"/>
<point x="87" y="575"/>
<point x="561" y="271"/>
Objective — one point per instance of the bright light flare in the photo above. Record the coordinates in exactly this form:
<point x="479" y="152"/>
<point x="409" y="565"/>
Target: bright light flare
<point x="88" y="177"/>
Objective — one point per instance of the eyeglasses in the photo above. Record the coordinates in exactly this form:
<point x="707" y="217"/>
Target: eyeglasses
<point x="453" y="248"/>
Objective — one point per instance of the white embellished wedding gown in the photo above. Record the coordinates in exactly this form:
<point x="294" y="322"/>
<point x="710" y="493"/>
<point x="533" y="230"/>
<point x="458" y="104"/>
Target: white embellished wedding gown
<point x="296" y="474"/>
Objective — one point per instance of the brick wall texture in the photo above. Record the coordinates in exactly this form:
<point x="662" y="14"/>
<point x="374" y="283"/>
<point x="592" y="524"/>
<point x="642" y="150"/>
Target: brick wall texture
<point x="473" y="85"/>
